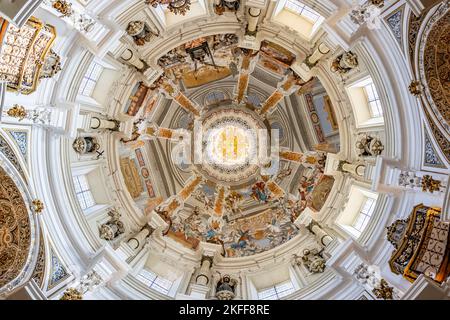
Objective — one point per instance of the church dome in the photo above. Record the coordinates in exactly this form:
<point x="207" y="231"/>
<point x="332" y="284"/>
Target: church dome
<point x="225" y="149"/>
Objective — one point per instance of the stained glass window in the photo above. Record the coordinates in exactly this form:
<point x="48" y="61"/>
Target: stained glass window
<point x="214" y="97"/>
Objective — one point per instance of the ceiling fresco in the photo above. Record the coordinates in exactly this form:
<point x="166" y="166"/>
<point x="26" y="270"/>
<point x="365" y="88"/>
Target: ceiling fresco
<point x="241" y="233"/>
<point x="202" y="60"/>
<point x="241" y="206"/>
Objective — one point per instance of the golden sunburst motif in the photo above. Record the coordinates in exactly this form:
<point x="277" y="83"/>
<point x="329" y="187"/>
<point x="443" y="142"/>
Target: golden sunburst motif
<point x="231" y="145"/>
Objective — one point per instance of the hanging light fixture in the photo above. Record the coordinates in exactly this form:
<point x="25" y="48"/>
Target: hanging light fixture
<point x="175" y="6"/>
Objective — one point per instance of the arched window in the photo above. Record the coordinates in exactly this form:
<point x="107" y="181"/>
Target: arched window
<point x="214" y="97"/>
<point x="254" y="99"/>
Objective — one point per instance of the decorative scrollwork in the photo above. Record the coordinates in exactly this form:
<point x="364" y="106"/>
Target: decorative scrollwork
<point x="113" y="228"/>
<point x="368" y="146"/>
<point x="15" y="230"/>
<point x="72" y="294"/>
<point x="344" y="63"/>
<point x="17" y="111"/>
<point x="38" y="205"/>
<point x="175" y="6"/>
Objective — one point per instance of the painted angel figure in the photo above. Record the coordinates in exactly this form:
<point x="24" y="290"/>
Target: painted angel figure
<point x="283" y="174"/>
<point x="259" y="192"/>
<point x="232" y="202"/>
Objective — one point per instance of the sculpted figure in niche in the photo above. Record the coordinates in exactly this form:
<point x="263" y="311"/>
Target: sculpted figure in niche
<point x="226" y="288"/>
<point x="51" y="66"/>
<point x="223" y="5"/>
<point x="344" y="63"/>
<point x="83" y="145"/>
<point x="232" y="202"/>
<point x="140" y="32"/>
<point x="368" y="146"/>
<point x="113" y="228"/>
<point x="312" y="259"/>
<point x="259" y="192"/>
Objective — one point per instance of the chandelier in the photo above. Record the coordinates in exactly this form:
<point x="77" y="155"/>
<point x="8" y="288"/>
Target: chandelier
<point x="175" y="6"/>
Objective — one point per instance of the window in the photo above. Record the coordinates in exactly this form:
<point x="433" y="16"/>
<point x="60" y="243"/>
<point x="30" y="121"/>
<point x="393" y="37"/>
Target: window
<point x="90" y="79"/>
<point x="364" y="215"/>
<point x="366" y="103"/>
<point x="154" y="281"/>
<point x="276" y="292"/>
<point x="254" y="100"/>
<point x="302" y="10"/>
<point x="373" y="99"/>
<point x="84" y="194"/>
<point x="214" y="97"/>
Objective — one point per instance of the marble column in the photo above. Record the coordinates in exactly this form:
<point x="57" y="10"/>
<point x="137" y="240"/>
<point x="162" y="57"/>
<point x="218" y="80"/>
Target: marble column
<point x="253" y="17"/>
<point x="360" y="170"/>
<point x="203" y="277"/>
<point x="99" y="124"/>
<point x="138" y="240"/>
<point x="131" y="57"/>
<point x="321" y="235"/>
<point x="321" y="50"/>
